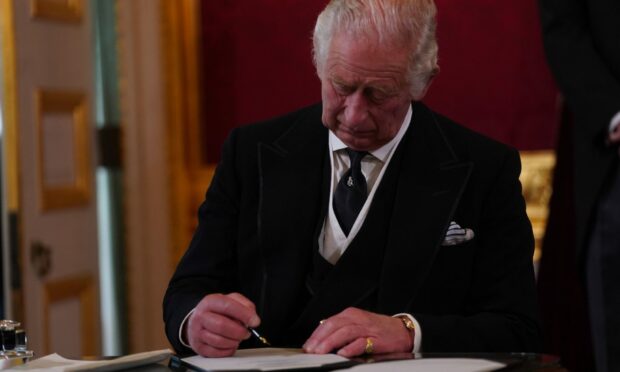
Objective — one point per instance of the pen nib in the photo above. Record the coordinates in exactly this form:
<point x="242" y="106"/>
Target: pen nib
<point x="264" y="341"/>
<point x="257" y="335"/>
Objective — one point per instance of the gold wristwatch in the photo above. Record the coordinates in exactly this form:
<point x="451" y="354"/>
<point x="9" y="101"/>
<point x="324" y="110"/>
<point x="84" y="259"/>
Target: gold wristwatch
<point x="410" y="325"/>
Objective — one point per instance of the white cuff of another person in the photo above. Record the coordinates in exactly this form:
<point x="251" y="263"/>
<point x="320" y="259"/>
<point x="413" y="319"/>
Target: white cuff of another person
<point x="183" y="326"/>
<point x="417" y="335"/>
<point x="615" y="121"/>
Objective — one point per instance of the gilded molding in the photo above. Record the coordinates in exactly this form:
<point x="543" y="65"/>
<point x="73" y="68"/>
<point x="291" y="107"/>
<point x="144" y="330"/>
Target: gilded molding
<point x="9" y="107"/>
<point x="537" y="180"/>
<point x="69" y="11"/>
<point x="78" y="191"/>
<point x="190" y="176"/>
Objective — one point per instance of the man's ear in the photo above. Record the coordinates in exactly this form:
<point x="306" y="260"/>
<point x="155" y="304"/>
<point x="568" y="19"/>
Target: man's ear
<point x="428" y="85"/>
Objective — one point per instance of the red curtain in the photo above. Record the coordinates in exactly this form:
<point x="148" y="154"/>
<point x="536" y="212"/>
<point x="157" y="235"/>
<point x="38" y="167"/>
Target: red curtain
<point x="493" y="79"/>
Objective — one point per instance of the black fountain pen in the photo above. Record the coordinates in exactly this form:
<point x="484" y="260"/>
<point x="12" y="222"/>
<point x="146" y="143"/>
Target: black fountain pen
<point x="257" y="335"/>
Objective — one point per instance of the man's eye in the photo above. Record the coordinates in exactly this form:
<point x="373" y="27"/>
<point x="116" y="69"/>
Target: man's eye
<point x="342" y="89"/>
<point x="377" y="95"/>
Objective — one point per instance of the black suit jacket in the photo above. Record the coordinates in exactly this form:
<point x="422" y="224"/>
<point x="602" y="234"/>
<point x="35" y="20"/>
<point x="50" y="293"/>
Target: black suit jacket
<point x="582" y="44"/>
<point x="258" y="228"/>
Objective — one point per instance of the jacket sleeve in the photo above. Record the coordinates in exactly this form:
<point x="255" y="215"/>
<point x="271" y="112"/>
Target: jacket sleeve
<point x="500" y="313"/>
<point x="209" y="264"/>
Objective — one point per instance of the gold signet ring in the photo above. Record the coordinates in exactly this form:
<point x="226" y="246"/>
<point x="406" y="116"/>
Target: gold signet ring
<point x="370" y="347"/>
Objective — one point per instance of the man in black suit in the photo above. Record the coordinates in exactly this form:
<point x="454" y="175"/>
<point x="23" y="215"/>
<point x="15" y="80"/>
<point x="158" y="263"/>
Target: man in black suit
<point x="582" y="44"/>
<point x="367" y="223"/>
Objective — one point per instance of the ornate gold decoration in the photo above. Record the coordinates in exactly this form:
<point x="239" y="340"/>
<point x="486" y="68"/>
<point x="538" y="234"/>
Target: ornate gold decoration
<point x="57" y="10"/>
<point x="537" y="180"/>
<point x="82" y="288"/>
<point x="11" y="136"/>
<point x="9" y="107"/>
<point x="78" y="191"/>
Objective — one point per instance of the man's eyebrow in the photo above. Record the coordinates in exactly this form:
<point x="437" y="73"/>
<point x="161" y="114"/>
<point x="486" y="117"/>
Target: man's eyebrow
<point x="341" y="81"/>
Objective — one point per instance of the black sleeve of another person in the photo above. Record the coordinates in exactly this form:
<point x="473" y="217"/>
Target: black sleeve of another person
<point x="579" y="42"/>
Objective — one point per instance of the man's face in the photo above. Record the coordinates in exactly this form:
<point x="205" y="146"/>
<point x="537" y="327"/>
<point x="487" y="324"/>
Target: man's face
<point x="365" y="92"/>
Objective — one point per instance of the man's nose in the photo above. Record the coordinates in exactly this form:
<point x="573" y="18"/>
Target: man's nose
<point x="356" y="110"/>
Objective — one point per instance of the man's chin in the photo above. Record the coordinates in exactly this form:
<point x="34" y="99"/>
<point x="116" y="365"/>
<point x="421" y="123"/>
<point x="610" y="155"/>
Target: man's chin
<point x="361" y="144"/>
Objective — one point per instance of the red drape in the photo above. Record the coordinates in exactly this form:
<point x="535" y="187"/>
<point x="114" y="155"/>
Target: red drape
<point x="493" y="79"/>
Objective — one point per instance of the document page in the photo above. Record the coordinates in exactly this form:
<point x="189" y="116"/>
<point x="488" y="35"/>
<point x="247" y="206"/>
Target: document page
<point x="264" y="359"/>
<point x="56" y="363"/>
<point x="432" y="365"/>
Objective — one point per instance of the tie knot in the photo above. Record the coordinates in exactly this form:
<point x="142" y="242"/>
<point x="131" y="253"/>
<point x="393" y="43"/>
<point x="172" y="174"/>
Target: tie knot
<point x="356" y="156"/>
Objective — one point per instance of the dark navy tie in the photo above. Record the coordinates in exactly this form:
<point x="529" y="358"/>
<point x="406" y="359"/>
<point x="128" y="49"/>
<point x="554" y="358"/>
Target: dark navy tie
<point x="351" y="192"/>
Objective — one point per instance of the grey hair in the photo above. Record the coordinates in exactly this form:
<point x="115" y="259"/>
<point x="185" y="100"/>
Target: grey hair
<point x="408" y="23"/>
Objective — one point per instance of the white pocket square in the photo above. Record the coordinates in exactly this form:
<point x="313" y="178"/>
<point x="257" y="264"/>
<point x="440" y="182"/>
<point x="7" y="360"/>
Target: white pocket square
<point x="457" y="235"/>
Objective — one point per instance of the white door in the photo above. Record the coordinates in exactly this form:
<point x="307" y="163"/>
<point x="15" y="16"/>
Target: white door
<point x="56" y="159"/>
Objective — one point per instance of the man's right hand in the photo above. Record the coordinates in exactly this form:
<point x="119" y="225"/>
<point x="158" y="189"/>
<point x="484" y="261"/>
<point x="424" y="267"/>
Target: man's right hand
<point x="218" y="324"/>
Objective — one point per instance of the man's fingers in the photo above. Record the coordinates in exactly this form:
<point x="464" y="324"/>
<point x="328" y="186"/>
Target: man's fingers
<point x="324" y="329"/>
<point x="242" y="300"/>
<point x="339" y="338"/>
<point x="218" y="324"/>
<point x="229" y="307"/>
<point x="204" y="337"/>
<point x="614" y="136"/>
<point x="212" y="352"/>
<point x="348" y="332"/>
<point x="355" y="348"/>
<point x="224" y="326"/>
<point x="218" y="341"/>
<point x="347" y="318"/>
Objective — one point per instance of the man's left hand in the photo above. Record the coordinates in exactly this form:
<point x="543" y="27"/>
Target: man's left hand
<point x="614" y="137"/>
<point x="348" y="333"/>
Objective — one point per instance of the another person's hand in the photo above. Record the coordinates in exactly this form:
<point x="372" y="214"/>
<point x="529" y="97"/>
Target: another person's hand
<point x="349" y="333"/>
<point x="614" y="137"/>
<point x="218" y="324"/>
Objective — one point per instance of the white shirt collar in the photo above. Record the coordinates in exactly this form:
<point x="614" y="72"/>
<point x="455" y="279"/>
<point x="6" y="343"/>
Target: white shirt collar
<point x="382" y="152"/>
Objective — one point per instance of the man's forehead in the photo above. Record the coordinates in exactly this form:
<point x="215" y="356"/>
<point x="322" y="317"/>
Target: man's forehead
<point x="369" y="39"/>
<point x="350" y="44"/>
<point x="354" y="57"/>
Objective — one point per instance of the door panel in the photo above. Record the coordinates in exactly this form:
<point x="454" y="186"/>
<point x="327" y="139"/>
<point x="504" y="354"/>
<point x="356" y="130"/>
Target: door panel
<point x="57" y="205"/>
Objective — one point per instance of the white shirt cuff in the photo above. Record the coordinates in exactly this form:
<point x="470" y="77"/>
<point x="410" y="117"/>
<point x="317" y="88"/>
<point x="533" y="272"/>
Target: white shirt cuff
<point x="615" y="121"/>
<point x="417" y="335"/>
<point x="183" y="326"/>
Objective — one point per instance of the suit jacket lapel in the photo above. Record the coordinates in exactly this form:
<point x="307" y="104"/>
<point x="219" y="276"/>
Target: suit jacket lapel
<point x="431" y="182"/>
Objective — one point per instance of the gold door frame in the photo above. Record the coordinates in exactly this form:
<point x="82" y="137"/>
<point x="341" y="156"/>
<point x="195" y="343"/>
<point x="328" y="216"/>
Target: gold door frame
<point x="190" y="175"/>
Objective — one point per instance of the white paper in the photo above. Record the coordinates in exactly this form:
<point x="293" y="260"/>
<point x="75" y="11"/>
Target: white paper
<point x="431" y="365"/>
<point x="57" y="363"/>
<point x="265" y="359"/>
